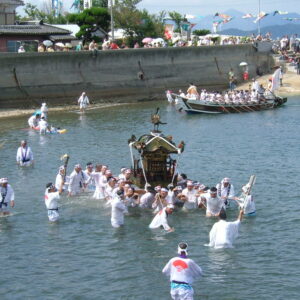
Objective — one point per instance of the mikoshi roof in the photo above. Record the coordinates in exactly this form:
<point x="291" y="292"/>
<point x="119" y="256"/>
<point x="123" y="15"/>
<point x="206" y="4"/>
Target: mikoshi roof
<point x="153" y="142"/>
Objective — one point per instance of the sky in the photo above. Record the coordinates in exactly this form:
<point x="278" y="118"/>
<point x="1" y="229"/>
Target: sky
<point x="203" y="7"/>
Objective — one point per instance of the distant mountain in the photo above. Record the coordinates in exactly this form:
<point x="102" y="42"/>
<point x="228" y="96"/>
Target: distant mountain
<point x="244" y="24"/>
<point x="276" y="30"/>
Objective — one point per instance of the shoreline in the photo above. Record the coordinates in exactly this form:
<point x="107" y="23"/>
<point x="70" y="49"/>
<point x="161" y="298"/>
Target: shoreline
<point x="11" y="113"/>
<point x="291" y="87"/>
<point x="290" y="84"/>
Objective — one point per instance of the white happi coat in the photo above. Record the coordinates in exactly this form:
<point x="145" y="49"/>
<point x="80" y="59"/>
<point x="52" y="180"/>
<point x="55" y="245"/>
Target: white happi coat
<point x="83" y="101"/>
<point x="182" y="270"/>
<point x="6" y="195"/>
<point x="146" y="200"/>
<point x="192" y="201"/>
<point x="223" y="234"/>
<point x="90" y="181"/>
<point x="33" y="121"/>
<point x="160" y="219"/>
<point x="76" y="182"/>
<point x="43" y="126"/>
<point x="24" y="156"/>
<point x="52" y="205"/>
<point x="249" y="205"/>
<point x="213" y="205"/>
<point x="118" y="209"/>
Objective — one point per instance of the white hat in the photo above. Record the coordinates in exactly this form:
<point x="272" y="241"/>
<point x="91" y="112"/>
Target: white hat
<point x="179" y="188"/>
<point x="245" y="188"/>
<point x="128" y="171"/>
<point x="78" y="166"/>
<point x="123" y="169"/>
<point x="108" y="172"/>
<point x="164" y="190"/>
<point x="4" y="180"/>
<point x="61" y="168"/>
<point x="226" y="180"/>
<point x="170" y="206"/>
<point x="202" y="187"/>
<point x="157" y="188"/>
<point x="44" y="104"/>
<point x="189" y="183"/>
<point x="182" y="247"/>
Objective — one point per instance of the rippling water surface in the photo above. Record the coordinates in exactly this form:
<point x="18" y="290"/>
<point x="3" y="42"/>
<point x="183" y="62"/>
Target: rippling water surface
<point x="83" y="257"/>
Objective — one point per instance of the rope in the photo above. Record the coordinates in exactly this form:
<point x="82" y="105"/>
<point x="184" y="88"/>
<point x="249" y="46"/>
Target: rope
<point x="141" y="159"/>
<point x="176" y="167"/>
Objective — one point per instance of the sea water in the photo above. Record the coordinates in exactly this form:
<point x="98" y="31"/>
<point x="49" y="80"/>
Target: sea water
<point x="83" y="257"/>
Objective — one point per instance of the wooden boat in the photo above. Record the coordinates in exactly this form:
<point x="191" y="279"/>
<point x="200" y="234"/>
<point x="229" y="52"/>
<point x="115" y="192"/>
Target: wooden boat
<point x="153" y="162"/>
<point x="200" y="106"/>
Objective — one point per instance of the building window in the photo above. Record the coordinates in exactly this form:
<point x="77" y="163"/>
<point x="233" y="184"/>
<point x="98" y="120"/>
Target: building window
<point x="29" y="46"/>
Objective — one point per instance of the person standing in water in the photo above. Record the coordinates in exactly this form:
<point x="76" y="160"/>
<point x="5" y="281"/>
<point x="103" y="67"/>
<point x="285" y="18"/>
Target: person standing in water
<point x="7" y="195"/>
<point x="83" y="101"/>
<point x="182" y="272"/>
<point x="24" y="155"/>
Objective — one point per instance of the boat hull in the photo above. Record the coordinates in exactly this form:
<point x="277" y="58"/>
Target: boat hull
<point x="197" y="106"/>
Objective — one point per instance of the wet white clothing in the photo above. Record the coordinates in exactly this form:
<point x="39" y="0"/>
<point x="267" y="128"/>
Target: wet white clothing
<point x="43" y="126"/>
<point x="146" y="200"/>
<point x="192" y="201"/>
<point x="182" y="270"/>
<point x="109" y="193"/>
<point x="76" y="183"/>
<point x="89" y="180"/>
<point x="6" y="196"/>
<point x="249" y="205"/>
<point x="223" y="234"/>
<point x="118" y="209"/>
<point x="226" y="192"/>
<point x="44" y="110"/>
<point x="52" y="205"/>
<point x="213" y="205"/>
<point x="160" y="219"/>
<point x="33" y="121"/>
<point x="24" y="156"/>
<point x="83" y="101"/>
<point x="58" y="181"/>
<point x="99" y="191"/>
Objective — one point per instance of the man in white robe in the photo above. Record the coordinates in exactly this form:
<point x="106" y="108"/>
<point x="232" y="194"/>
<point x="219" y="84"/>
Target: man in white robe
<point x="43" y="125"/>
<point x="24" y="155"/>
<point x="83" y="101"/>
<point x="147" y="199"/>
<point x="118" y="210"/>
<point x="223" y="233"/>
<point x="77" y="182"/>
<point x="182" y="272"/>
<point x="226" y="191"/>
<point x="214" y="204"/>
<point x="190" y="194"/>
<point x="33" y="121"/>
<point x="51" y="196"/>
<point x="44" y="111"/>
<point x="7" y="196"/>
<point x="161" y="218"/>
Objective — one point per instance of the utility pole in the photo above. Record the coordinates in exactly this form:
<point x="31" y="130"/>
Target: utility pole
<point x="112" y="27"/>
<point x="258" y="17"/>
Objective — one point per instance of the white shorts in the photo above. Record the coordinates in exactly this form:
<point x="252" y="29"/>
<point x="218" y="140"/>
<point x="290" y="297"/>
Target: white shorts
<point x="181" y="292"/>
<point x="53" y="215"/>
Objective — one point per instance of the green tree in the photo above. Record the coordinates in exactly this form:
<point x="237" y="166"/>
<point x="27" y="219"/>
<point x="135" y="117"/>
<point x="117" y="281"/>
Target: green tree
<point x="137" y="24"/>
<point x="177" y="18"/>
<point x="47" y="15"/>
<point x="201" y="32"/>
<point x="89" y="21"/>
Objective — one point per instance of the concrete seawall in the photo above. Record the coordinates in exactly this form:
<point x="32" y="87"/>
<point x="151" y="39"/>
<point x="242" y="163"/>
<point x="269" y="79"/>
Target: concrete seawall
<point x="120" y="76"/>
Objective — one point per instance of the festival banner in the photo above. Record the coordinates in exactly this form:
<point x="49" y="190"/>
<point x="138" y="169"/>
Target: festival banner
<point x="247" y="16"/>
<point x="260" y="16"/>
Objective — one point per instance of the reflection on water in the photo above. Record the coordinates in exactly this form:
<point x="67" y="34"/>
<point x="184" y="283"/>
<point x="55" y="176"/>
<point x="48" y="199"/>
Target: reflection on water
<point x="83" y="257"/>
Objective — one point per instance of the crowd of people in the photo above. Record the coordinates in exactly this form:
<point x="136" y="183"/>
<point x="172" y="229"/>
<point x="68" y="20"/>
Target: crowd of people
<point x="255" y="95"/>
<point x="177" y="41"/>
<point x="119" y="193"/>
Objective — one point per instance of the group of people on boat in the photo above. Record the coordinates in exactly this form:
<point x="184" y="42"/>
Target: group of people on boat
<point x="255" y="95"/>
